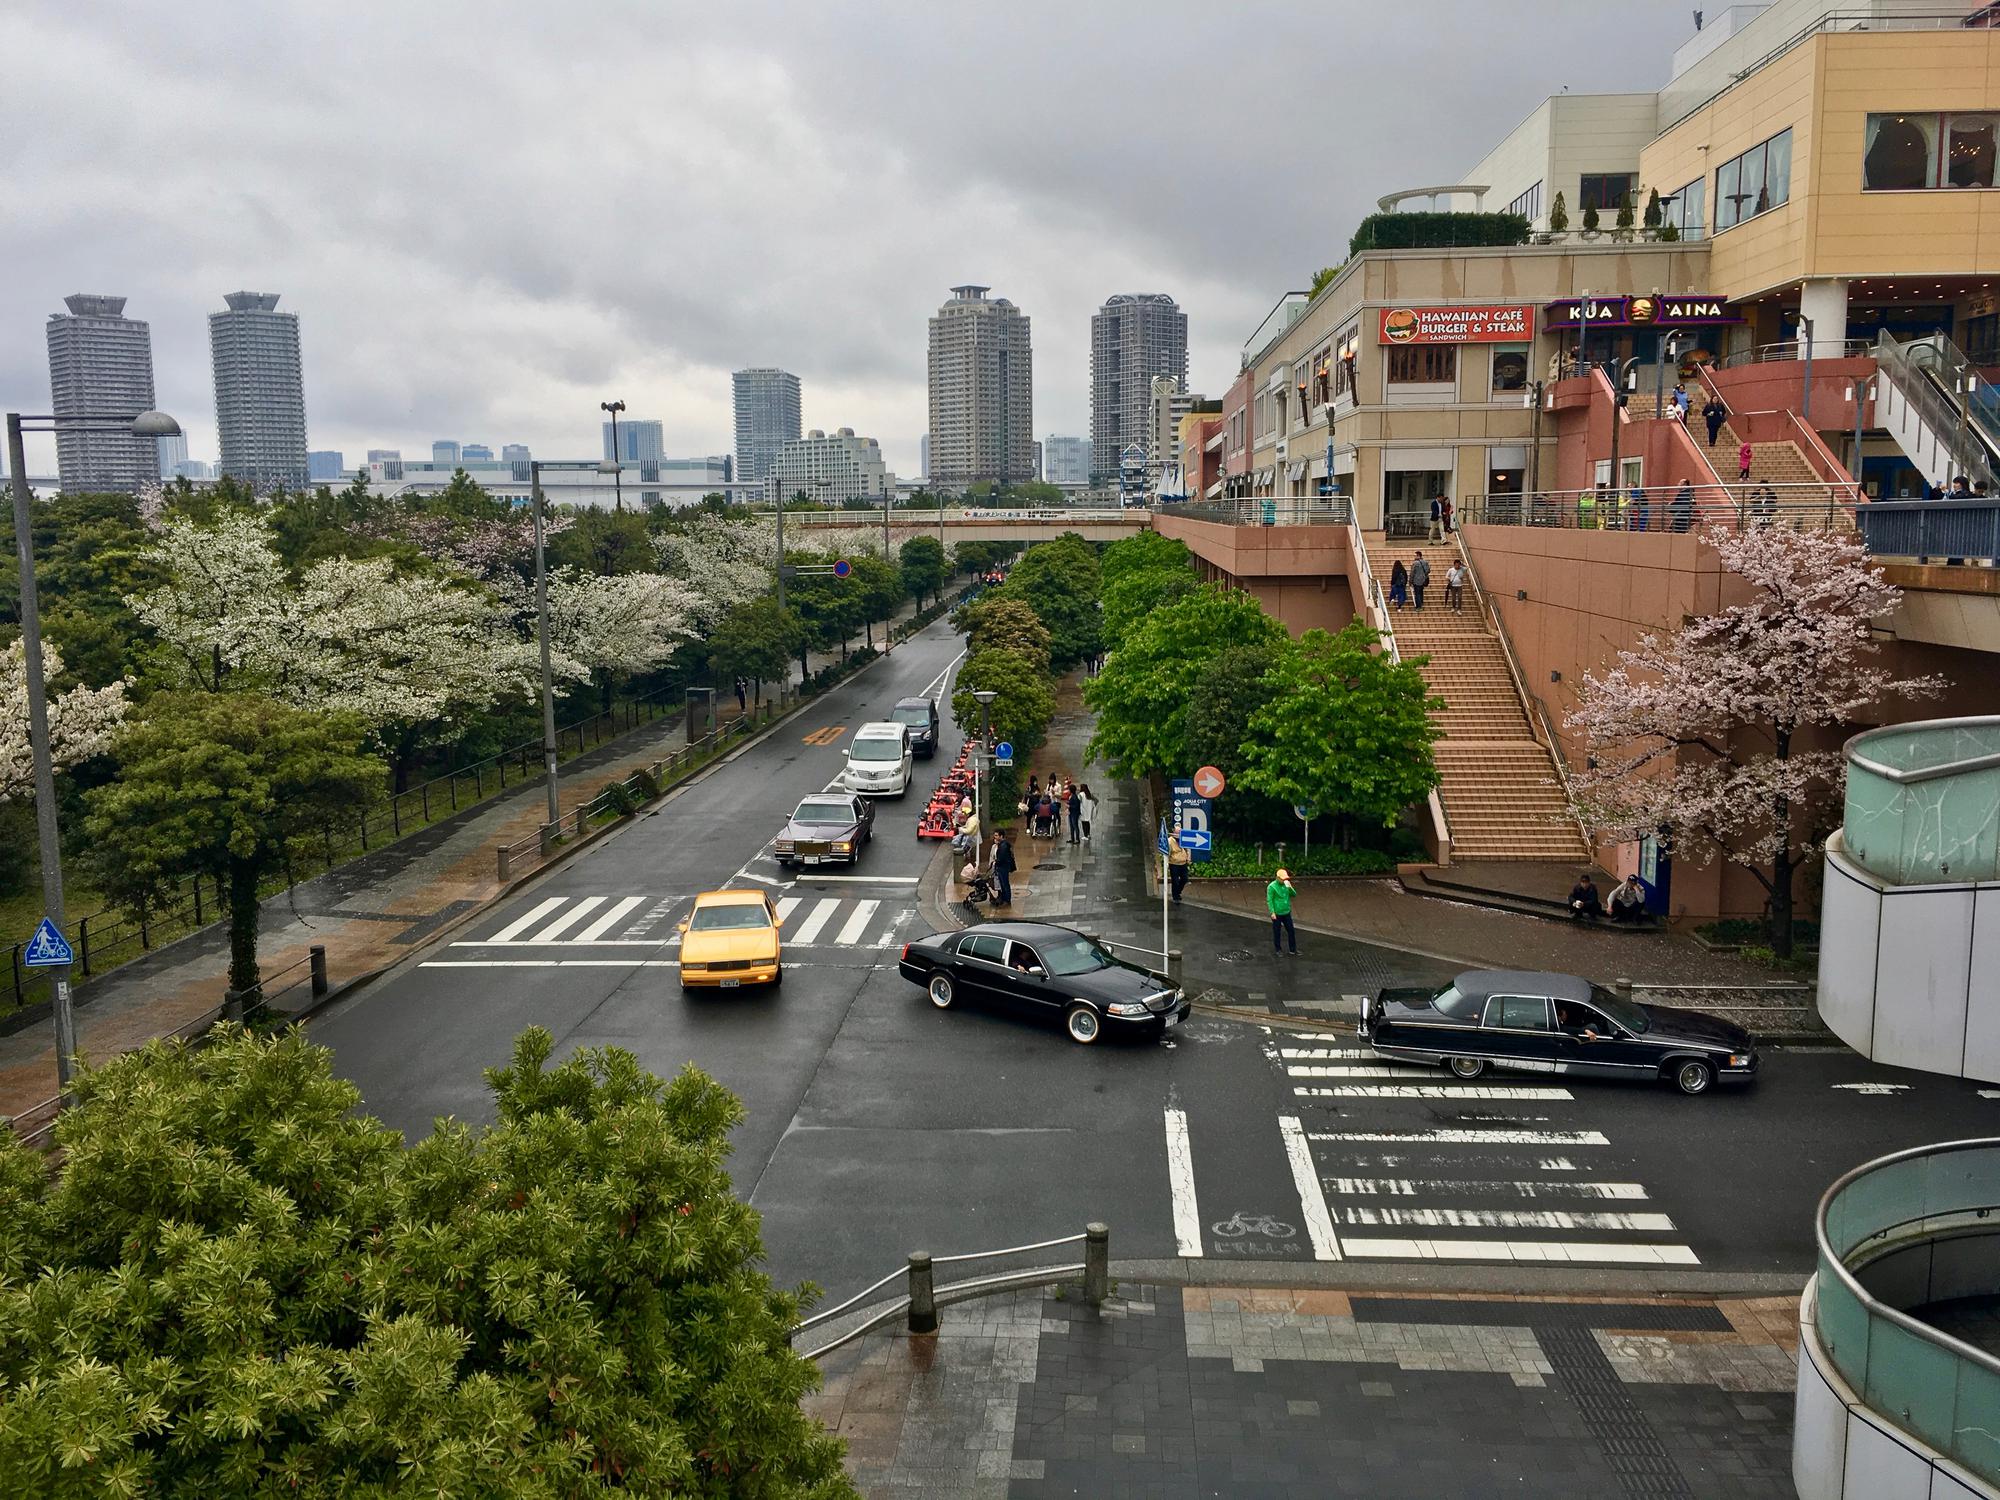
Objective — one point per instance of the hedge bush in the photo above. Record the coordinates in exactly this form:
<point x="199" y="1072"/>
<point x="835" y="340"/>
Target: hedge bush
<point x="1437" y="231"/>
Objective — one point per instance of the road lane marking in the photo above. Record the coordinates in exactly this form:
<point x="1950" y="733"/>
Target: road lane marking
<point x="520" y="925"/>
<point x="859" y="879"/>
<point x="1180" y="1179"/>
<point x="609" y="920"/>
<point x="938" y="681"/>
<point x="821" y="914"/>
<point x="856" y="926"/>
<point x="1319" y="1223"/>
<point x="1520" y="1251"/>
<point x="1361" y="1070"/>
<point x="786" y="906"/>
<point x="1451" y="1137"/>
<point x="1505" y="1218"/>
<point x="558" y="942"/>
<point x="568" y="919"/>
<point x="1428" y="1091"/>
<point x="1413" y="1187"/>
<point x="825" y="735"/>
<point x="1309" y="1054"/>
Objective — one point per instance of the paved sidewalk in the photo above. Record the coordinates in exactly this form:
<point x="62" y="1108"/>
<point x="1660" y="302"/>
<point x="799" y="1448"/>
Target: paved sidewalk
<point x="1258" y="1394"/>
<point x="367" y="913"/>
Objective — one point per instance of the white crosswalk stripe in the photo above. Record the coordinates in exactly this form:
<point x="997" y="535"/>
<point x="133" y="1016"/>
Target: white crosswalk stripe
<point x="647" y="922"/>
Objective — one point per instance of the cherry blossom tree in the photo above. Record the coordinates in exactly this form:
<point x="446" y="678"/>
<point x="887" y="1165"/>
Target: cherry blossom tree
<point x="81" y="721"/>
<point x="1720" y="738"/>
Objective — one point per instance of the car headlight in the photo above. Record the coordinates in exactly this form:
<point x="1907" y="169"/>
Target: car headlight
<point x="1739" y="1059"/>
<point x="1130" y="1008"/>
<point x="782" y="846"/>
<point x="843" y="846"/>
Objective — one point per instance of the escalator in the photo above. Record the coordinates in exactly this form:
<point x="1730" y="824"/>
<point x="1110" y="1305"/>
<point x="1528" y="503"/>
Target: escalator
<point x="1942" y="413"/>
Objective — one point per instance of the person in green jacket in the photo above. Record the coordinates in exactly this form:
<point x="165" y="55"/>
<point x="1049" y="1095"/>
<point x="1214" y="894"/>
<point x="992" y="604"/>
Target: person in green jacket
<point x="1278" y="897"/>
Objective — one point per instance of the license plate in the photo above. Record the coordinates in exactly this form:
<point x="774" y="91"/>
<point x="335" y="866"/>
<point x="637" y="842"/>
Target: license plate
<point x="815" y="859"/>
<point x="1173" y="1018"/>
<point x="732" y="984"/>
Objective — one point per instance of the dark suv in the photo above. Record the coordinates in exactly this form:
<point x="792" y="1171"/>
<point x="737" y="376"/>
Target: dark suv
<point x="921" y="715"/>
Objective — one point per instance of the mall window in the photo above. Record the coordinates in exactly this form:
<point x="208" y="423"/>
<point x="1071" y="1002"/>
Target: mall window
<point x="1423" y="364"/>
<point x="1684" y="208"/>
<point x="1528" y="205"/>
<point x="1904" y="152"/>
<point x="1510" y="367"/>
<point x="1756" y="182"/>
<point x="1346" y="352"/>
<point x="1604" y="191"/>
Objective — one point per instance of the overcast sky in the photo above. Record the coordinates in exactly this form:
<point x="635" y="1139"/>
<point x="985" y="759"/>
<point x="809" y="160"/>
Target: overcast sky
<point x="490" y="217"/>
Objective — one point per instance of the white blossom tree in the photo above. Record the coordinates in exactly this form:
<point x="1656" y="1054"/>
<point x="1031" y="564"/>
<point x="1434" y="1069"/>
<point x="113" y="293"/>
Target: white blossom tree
<point x="81" y="721"/>
<point x="604" y="627"/>
<point x="1718" y="738"/>
<point x="717" y="563"/>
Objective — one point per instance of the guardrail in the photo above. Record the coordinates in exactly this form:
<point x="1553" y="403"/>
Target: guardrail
<point x="1269" y="510"/>
<point x="1791" y="350"/>
<point x="1957" y="531"/>
<point x="1742" y="507"/>
<point x="1940" y="1389"/>
<point x="923" y="1297"/>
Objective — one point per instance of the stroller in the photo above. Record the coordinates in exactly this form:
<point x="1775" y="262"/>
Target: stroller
<point x="979" y="887"/>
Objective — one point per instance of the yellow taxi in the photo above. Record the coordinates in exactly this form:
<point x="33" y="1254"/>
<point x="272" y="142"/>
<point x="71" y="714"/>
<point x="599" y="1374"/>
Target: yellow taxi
<point x="731" y="939"/>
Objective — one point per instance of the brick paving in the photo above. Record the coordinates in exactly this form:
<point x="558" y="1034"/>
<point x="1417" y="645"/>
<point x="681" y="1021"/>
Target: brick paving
<point x="1258" y="1394"/>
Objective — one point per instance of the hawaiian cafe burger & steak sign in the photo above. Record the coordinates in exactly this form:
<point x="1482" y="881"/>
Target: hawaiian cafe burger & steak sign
<point x="1510" y="324"/>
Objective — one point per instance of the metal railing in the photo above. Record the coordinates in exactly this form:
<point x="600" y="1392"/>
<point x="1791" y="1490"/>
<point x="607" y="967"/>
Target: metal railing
<point x="1790" y="349"/>
<point x="1270" y="510"/>
<point x="1821" y="506"/>
<point x="921" y="1301"/>
<point x="1378" y="605"/>
<point x="1955" y="531"/>
<point x="1915" y="369"/>
<point x="1940" y="1389"/>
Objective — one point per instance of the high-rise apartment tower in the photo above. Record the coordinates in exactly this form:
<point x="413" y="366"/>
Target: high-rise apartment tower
<point x="260" y="392"/>
<point x="101" y="365"/>
<point x="1134" y="336"/>
<point x="767" y="417"/>
<point x="982" y="388"/>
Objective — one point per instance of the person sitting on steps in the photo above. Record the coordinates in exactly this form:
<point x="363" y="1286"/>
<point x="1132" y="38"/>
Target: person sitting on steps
<point x="1585" y="904"/>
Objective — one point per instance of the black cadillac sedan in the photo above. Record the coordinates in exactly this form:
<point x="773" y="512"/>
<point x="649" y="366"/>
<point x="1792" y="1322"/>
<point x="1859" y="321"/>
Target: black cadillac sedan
<point x="1556" y="1023"/>
<point x="1047" y="971"/>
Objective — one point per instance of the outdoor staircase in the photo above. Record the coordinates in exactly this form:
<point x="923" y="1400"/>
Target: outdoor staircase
<point x="1770" y="463"/>
<point x="1502" y="796"/>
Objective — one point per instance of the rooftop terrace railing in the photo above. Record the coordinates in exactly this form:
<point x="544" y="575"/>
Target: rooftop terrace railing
<point x="1953" y="531"/>
<point x="1819" y="506"/>
<point x="1270" y="510"/>
<point x="1905" y="1210"/>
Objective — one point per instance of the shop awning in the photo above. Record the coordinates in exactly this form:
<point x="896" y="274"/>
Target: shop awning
<point x="1298" y="472"/>
<point x="1212" y="491"/>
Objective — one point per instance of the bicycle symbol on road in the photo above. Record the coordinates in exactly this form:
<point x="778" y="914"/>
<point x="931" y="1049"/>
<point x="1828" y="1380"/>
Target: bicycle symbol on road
<point x="1239" y="1224"/>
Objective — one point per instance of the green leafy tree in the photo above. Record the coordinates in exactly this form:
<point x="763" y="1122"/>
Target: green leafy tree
<point x="922" y="561"/>
<point x="1022" y="707"/>
<point x="605" y="542"/>
<point x="1141" y="696"/>
<point x="236" y="787"/>
<point x="1590" y="219"/>
<point x="234" y="1285"/>
<point x="758" y="640"/>
<point x="1323" y="278"/>
<point x="877" y="586"/>
<point x="1558" y="214"/>
<point x="1060" y="580"/>
<point x="1654" y="213"/>
<point x="1004" y="625"/>
<point x="1143" y="552"/>
<point x="1228" y="690"/>
<point x="830" y="608"/>
<point x="1131" y="597"/>
<point x="1347" y="730"/>
<point x="982" y="556"/>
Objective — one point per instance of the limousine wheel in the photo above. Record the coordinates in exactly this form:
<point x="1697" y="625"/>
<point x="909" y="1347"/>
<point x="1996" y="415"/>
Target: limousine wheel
<point x="940" y="991"/>
<point x="1467" y="1067"/>
<point x="1082" y="1024"/>
<point x="1693" y="1077"/>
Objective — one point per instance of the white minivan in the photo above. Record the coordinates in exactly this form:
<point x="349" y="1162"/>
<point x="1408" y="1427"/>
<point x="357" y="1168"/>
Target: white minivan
<point x="878" y="760"/>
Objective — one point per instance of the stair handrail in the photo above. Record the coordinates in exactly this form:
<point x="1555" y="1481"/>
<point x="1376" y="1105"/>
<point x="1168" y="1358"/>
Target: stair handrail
<point x="1893" y="359"/>
<point x="1980" y="400"/>
<point x="1532" y="707"/>
<point x="1379" y="607"/>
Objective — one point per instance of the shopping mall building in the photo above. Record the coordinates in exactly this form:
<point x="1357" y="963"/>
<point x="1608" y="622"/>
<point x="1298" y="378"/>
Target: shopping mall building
<point x="1822" y="263"/>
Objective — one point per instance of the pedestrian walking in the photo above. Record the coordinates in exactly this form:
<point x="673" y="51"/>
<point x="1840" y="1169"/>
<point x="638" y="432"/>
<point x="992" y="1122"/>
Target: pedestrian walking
<point x="1743" y="463"/>
<point x="1715" y="414"/>
<point x="1278" y="898"/>
<point x="1450" y="515"/>
<point x="742" y="695"/>
<point x="1178" y="861"/>
<point x="1680" y="513"/>
<point x="1420" y="579"/>
<point x="1454" y="588"/>
<point x="1003" y="870"/>
<point x="1073" y="804"/>
<point x="1641" y="510"/>
<point x="1436" y="533"/>
<point x="1399" y="585"/>
<point x="1086" y="808"/>
<point x="1682" y="401"/>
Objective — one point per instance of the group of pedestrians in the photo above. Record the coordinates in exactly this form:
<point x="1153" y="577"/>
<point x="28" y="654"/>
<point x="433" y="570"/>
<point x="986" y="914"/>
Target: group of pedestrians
<point x="1407" y="585"/>
<point x="1062" y="801"/>
<point x="1047" y="809"/>
<point x="1627" y="905"/>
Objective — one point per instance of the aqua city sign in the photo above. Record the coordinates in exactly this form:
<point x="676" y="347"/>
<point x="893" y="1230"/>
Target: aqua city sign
<point x="1640" y="310"/>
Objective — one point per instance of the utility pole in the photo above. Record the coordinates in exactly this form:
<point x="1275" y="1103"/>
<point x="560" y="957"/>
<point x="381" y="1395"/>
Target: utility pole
<point x="542" y="638"/>
<point x="979" y="760"/>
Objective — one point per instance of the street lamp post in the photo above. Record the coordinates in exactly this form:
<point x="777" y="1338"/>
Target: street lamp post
<point x="538" y="504"/>
<point x="150" y="425"/>
<point x="1860" y="391"/>
<point x="985" y="697"/>
<point x="618" y="479"/>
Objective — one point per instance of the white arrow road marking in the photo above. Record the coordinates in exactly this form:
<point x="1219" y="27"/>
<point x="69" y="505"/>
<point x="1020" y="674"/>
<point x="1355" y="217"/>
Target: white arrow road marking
<point x="1319" y="1223"/>
<point x="1180" y="1178"/>
<point x="520" y="925"/>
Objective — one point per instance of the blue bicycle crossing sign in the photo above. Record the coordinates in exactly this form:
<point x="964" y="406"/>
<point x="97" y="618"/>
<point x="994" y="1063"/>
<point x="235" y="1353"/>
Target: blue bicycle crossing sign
<point x="48" y="948"/>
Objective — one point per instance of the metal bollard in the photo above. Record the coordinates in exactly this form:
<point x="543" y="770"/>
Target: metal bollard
<point x="1096" y="1262"/>
<point x="506" y="862"/>
<point x="319" y="984"/>
<point x="923" y="1300"/>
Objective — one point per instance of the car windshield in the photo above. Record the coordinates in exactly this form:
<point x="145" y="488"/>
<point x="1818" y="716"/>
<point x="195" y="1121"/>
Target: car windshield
<point x="1624" y="1012"/>
<point x="730" y="918"/>
<point x="917" y="717"/>
<point x="883" y="749"/>
<point x="1451" y="1001"/>
<point x="1075" y="955"/>
<point x="824" y="812"/>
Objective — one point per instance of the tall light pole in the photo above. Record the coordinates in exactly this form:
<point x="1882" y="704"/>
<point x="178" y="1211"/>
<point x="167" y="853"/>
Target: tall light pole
<point x="617" y="454"/>
<point x="149" y="425"/>
<point x="985" y="697"/>
<point x="1860" y="391"/>
<point x="538" y="504"/>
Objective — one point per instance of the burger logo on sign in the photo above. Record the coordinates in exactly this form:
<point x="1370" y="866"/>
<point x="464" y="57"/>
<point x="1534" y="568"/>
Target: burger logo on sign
<point x="1642" y="310"/>
<point x="1399" y="326"/>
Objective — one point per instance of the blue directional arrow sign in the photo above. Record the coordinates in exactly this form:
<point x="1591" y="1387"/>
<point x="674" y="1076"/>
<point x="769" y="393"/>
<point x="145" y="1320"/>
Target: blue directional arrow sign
<point x="48" y="948"/>
<point x="1194" y="838"/>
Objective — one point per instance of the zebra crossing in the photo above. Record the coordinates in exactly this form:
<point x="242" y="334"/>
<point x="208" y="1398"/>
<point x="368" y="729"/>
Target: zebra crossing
<point x="645" y="921"/>
<point x="1391" y="1173"/>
